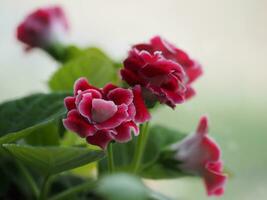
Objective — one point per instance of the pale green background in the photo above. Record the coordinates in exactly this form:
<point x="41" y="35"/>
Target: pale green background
<point x="229" y="37"/>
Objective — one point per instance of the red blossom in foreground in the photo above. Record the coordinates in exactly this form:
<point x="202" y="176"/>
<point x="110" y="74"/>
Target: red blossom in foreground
<point x="158" y="76"/>
<point x="192" y="68"/>
<point x="199" y="154"/>
<point x="43" y="27"/>
<point x="103" y="115"/>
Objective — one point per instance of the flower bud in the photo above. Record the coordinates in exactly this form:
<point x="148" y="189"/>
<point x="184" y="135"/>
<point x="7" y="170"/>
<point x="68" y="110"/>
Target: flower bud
<point x="198" y="154"/>
<point x="44" y="28"/>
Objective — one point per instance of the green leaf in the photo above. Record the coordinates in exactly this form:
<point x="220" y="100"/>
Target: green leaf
<point x="44" y="136"/>
<point x="53" y="160"/>
<point x="121" y="187"/>
<point x="159" y="138"/>
<point x="92" y="63"/>
<point x="21" y="117"/>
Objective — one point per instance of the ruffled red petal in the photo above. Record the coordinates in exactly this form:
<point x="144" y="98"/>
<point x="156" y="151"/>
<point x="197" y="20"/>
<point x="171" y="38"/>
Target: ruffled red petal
<point x="194" y="72"/>
<point x="131" y="112"/>
<point x="142" y="114"/>
<point x="120" y="116"/>
<point x="103" y="110"/>
<point x="131" y="78"/>
<point x="85" y="106"/>
<point x="81" y="85"/>
<point x="123" y="132"/>
<point x="214" y="179"/>
<point x="101" y="138"/>
<point x="70" y="103"/>
<point x="108" y="87"/>
<point x="76" y="123"/>
<point x="121" y="96"/>
<point x="189" y="93"/>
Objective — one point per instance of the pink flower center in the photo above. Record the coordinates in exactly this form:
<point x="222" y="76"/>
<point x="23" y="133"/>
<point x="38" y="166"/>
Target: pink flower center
<point x="102" y="110"/>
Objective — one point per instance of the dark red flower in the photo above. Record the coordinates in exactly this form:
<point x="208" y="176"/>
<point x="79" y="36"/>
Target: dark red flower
<point x="191" y="68"/>
<point x="200" y="155"/>
<point x="157" y="75"/>
<point x="43" y="27"/>
<point x="103" y="115"/>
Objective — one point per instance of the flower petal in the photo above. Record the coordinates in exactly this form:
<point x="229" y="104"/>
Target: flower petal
<point x="131" y="112"/>
<point x="102" y="110"/>
<point x="120" y="96"/>
<point x="203" y="126"/>
<point x="120" y="116"/>
<point x="70" y="103"/>
<point x="82" y="84"/>
<point x="76" y="123"/>
<point x="108" y="87"/>
<point x="189" y="93"/>
<point x="123" y="132"/>
<point x="85" y="105"/>
<point x="194" y="72"/>
<point x="142" y="113"/>
<point x="131" y="78"/>
<point x="214" y="179"/>
<point x="101" y="138"/>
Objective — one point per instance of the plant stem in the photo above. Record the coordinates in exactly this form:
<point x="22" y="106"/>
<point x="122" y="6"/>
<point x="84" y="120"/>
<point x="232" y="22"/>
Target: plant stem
<point x="140" y="147"/>
<point x="110" y="159"/>
<point x="74" y="190"/>
<point x="28" y="178"/>
<point x="45" y="188"/>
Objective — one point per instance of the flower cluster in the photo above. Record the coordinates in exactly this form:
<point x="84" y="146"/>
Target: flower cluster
<point x="156" y="71"/>
<point x="103" y="115"/>
<point x="200" y="155"/>
<point x="43" y="28"/>
<point x="164" y="71"/>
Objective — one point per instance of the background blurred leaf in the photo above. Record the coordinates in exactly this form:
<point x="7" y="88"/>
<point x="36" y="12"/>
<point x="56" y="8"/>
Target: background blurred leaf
<point x="21" y="117"/>
<point x="65" y="188"/>
<point x="52" y="160"/>
<point x="159" y="138"/>
<point x="12" y="184"/>
<point x="92" y="63"/>
<point x="122" y="187"/>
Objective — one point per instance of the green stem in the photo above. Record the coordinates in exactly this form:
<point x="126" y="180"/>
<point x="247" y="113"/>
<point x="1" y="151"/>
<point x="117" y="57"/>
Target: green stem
<point x="74" y="190"/>
<point x="110" y="159"/>
<point x="28" y="178"/>
<point x="140" y="147"/>
<point x="45" y="188"/>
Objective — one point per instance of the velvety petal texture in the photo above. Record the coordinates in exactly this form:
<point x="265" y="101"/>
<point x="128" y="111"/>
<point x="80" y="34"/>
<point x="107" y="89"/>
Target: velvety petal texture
<point x="163" y="69"/>
<point x="105" y="115"/>
<point x="200" y="155"/>
<point x="43" y="27"/>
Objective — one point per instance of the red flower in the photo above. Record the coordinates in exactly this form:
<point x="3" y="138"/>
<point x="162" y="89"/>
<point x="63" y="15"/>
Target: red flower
<point x="200" y="155"/>
<point x="103" y="115"/>
<point x="43" y="27"/>
<point x="161" y="78"/>
<point x="192" y="69"/>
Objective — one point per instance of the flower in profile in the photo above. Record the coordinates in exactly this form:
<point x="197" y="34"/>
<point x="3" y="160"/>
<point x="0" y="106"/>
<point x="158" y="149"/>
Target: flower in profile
<point x="199" y="154"/>
<point x="160" y="78"/>
<point x="104" y="115"/>
<point x="43" y="28"/>
<point x="192" y="68"/>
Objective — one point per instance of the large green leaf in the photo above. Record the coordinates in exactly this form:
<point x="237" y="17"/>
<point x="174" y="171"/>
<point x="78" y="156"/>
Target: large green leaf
<point x="45" y="136"/>
<point x="22" y="117"/>
<point x="159" y="139"/>
<point x="52" y="160"/>
<point x="92" y="63"/>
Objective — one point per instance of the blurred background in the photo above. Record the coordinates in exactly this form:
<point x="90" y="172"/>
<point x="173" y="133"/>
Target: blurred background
<point x="228" y="37"/>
